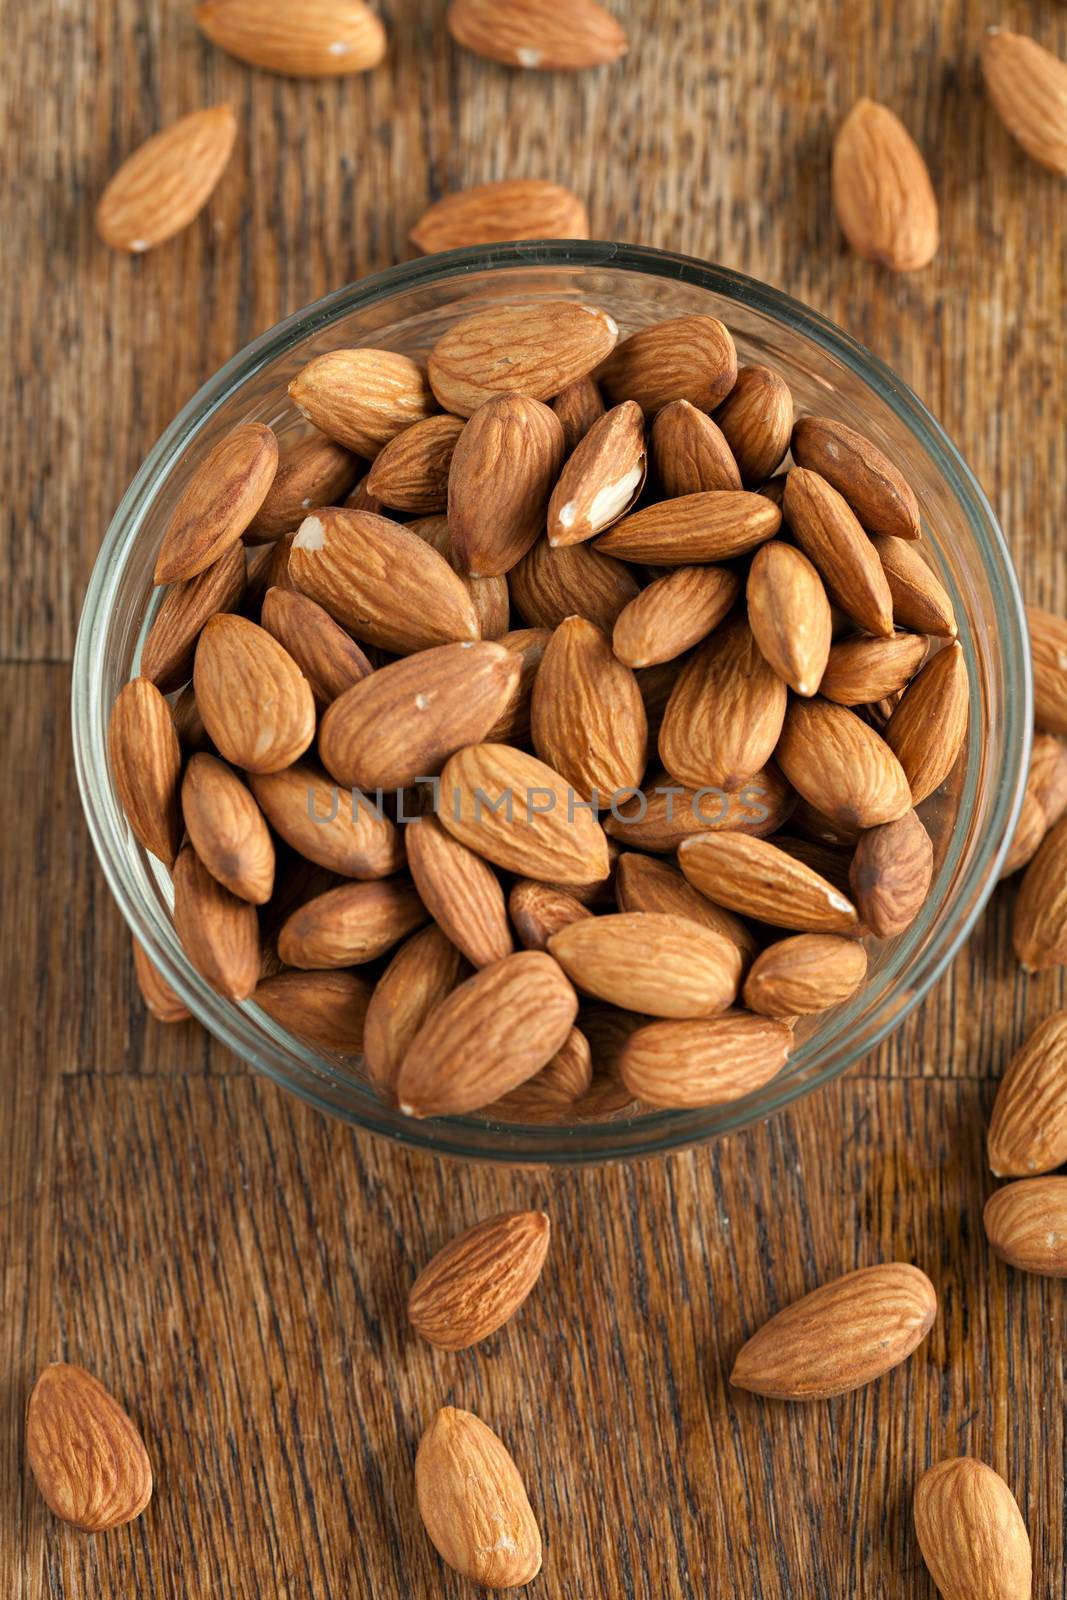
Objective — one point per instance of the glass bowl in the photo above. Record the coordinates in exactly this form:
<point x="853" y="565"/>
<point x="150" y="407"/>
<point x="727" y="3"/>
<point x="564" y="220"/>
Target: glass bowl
<point x="971" y="819"/>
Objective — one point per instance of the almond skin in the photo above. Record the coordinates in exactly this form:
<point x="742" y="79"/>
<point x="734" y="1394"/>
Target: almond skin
<point x="684" y="358"/>
<point x="725" y="713"/>
<point x="256" y="704"/>
<point x="343" y="832"/>
<point x="800" y="976"/>
<point x="694" y="528"/>
<point x="1026" y="1224"/>
<point x="1039" y="929"/>
<point x="883" y="196"/>
<point x="503" y="468"/>
<point x="890" y="874"/>
<point x="841" y="1336"/>
<point x="971" y="1532"/>
<point x="538" y="910"/>
<point x="578" y="406"/>
<point x="362" y="398"/>
<point x="351" y="925"/>
<point x="1028" y="87"/>
<point x="89" y="1460"/>
<point x="146" y="764"/>
<point x="667" y="813"/>
<point x="535" y="33"/>
<point x="860" y="671"/>
<point x="756" y="419"/>
<point x="490" y="213"/>
<point x="644" y="884"/>
<point x="602" y="479"/>
<point x="460" y="891"/>
<point x="1048" y="649"/>
<point x="920" y="601"/>
<point x="411" y="473"/>
<point x="655" y="963"/>
<point x="406" y="719"/>
<point x="327" y="1008"/>
<point x="529" y="350"/>
<point x="489" y="596"/>
<point x="319" y="39"/>
<point x="1028" y="1128"/>
<point x="789" y="615"/>
<point x="705" y="1062"/>
<point x="928" y="727"/>
<point x="492" y="1033"/>
<point x="227" y="829"/>
<point x="832" y="538"/>
<point x="479" y="1280"/>
<point x="587" y="716"/>
<point x="841" y="766"/>
<point x="547" y="586"/>
<point x="162" y="1001"/>
<point x="473" y="1503"/>
<point x="689" y="452"/>
<point x="757" y="879"/>
<point x="167" y="656"/>
<point x="219" y="501"/>
<point x="673" y="613"/>
<point x="422" y="973"/>
<point x="551" y="1094"/>
<point x="313" y="472"/>
<point x="330" y="660"/>
<point x="165" y="183"/>
<point x="382" y="581"/>
<point x="219" y="933"/>
<point x="878" y="494"/>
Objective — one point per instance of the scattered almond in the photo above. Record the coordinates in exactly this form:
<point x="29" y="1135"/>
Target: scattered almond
<point x="883" y="196"/>
<point x="89" y="1461"/>
<point x="315" y="39"/>
<point x="1028" y="87"/>
<point x="1028" y="1129"/>
<point x="971" y="1533"/>
<point x="1039" y="929"/>
<point x="479" y="1280"/>
<point x="1026" y="1223"/>
<point x="473" y="1503"/>
<point x="1048" y="649"/>
<point x="166" y="183"/>
<point x="512" y="208"/>
<point x="535" y="33"/>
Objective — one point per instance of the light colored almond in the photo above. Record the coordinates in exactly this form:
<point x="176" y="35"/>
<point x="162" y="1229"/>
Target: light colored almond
<point x="165" y="183"/>
<point x="313" y="472"/>
<point x="578" y="406"/>
<point x="1048" y="775"/>
<point x="758" y="879"/>
<point x="219" y="933"/>
<point x="256" y="704"/>
<point x="528" y="646"/>
<point x="587" y="715"/>
<point x="551" y="1094"/>
<point x="1048" y="649"/>
<point x="644" y="884"/>
<point x="928" y="727"/>
<point x="1028" y="1128"/>
<point x="673" y="613"/>
<point x="422" y="973"/>
<point x="503" y="468"/>
<point x="833" y="539"/>
<point x="1030" y="829"/>
<point x="658" y="964"/>
<point x="411" y="473"/>
<point x="535" y="33"/>
<point x="714" y="526"/>
<point x="890" y="874"/>
<point x="920" y="600"/>
<point x="353" y="924"/>
<point x="146" y="764"/>
<point x="789" y="615"/>
<point x="756" y="419"/>
<point x="841" y="766"/>
<point x="330" y="660"/>
<point x="805" y="974"/>
<point x="725" y="713"/>
<point x="684" y="358"/>
<point x="227" y="829"/>
<point x="490" y="213"/>
<point x="534" y="350"/>
<point x="706" y="1062"/>
<point x="89" y="1460"/>
<point x="347" y="833"/>
<point x="461" y="892"/>
<point x="1028" y="87"/>
<point x="602" y="479"/>
<point x="362" y="398"/>
<point x="883" y="196"/>
<point x="1039" y="928"/>
<point x="1026" y="1223"/>
<point x="479" y="1280"/>
<point x="667" y="812"/>
<point x="162" y="1001"/>
<point x="860" y="671"/>
<point x="167" y="654"/>
<point x="971" y="1533"/>
<point x="472" y="1500"/>
<point x="219" y="501"/>
<point x="877" y="492"/>
<point x="326" y="1008"/>
<point x="317" y="39"/>
<point x="548" y="585"/>
<point x="689" y="452"/>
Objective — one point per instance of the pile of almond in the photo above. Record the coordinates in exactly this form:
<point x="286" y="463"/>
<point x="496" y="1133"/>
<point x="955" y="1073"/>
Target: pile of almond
<point x="564" y="756"/>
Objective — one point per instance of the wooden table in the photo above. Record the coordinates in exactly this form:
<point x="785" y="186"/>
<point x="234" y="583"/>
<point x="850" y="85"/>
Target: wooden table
<point x="235" y="1266"/>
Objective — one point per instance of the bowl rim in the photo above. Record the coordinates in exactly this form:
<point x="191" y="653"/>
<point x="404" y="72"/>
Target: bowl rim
<point x="475" y="1137"/>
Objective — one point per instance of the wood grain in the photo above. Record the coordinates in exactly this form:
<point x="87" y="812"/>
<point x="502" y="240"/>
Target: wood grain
<point x="232" y="1265"/>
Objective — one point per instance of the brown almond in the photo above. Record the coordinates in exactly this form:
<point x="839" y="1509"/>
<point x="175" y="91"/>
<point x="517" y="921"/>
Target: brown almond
<point x="503" y="468"/>
<point x="422" y="973"/>
<point x="192" y="735"/>
<point x="841" y="1336"/>
<point x="146" y="764"/>
<point x="320" y="39"/>
<point x="1039" y="928"/>
<point x="551" y="1094"/>
<point x="326" y="1008"/>
<point x="219" y="501"/>
<point x="492" y="1033"/>
<point x="1026" y="1223"/>
<point x="656" y="684"/>
<point x="658" y="964"/>
<point x="534" y="350"/>
<point x="313" y="472"/>
<point x="683" y="358"/>
<point x="330" y="660"/>
<point x="256" y="704"/>
<point x="756" y="420"/>
<point x="666" y="812"/>
<point x="810" y="823"/>
<point x="219" y="933"/>
<point x="860" y="671"/>
<point x="758" y="879"/>
<point x="167" y="181"/>
<point x="489" y="596"/>
<point x="267" y="569"/>
<point x="381" y="581"/>
<point x="971" y="1532"/>
<point x="725" y="713"/>
<point x="538" y="910"/>
<point x="163" y="1002"/>
<point x="345" y="832"/>
<point x="471" y="1498"/>
<point x="491" y="213"/>
<point x="531" y="33"/>
<point x="362" y="398"/>
<point x="689" y="452"/>
<point x="1028" y="1128"/>
<point x="87" y="1457"/>
<point x="411" y="473"/>
<point x="548" y="585"/>
<point x="360" y="498"/>
<point x="808" y="973"/>
<point x="920" y="600"/>
<point x="789" y="615"/>
<point x="602" y="479"/>
<point x="1028" y="87"/>
<point x="1048" y="649"/>
<point x="587" y="716"/>
<point x="528" y="645"/>
<point x="706" y="1062"/>
<point x="1030" y="829"/>
<point x="1048" y="775"/>
<point x="880" y="496"/>
<point x="883" y="196"/>
<point x="890" y="874"/>
<point x="644" y="884"/>
<point x="834" y="541"/>
<point x="461" y="892"/>
<point x="715" y="526"/>
<point x="227" y="829"/>
<point x="353" y="924"/>
<point x="167" y="655"/>
<point x="673" y="613"/>
<point x="841" y="766"/>
<point x="479" y="1280"/>
<point x="578" y="406"/>
<point x="827" y="860"/>
<point x="928" y="727"/>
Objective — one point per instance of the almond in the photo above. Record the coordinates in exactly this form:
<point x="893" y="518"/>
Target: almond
<point x="313" y="472"/>
<point x="318" y="39"/>
<point x="1039" y="929"/>
<point x="841" y="766"/>
<point x="330" y="660"/>
<point x="689" y="452"/>
<point x="666" y="812"/>
<point x="808" y="973"/>
<point x="810" y="823"/>
<point x="883" y="197"/>
<point x="551" y="1094"/>
<point x="703" y="1063"/>
<point x="382" y="581"/>
<point x="725" y="713"/>
<point x="489" y="596"/>
<point x="656" y="684"/>
<point x="1048" y="649"/>
<point x="878" y="494"/>
<point x="528" y="645"/>
<point x="490" y="213"/>
<point x="587" y="715"/>
<point x="547" y="586"/>
<point x="422" y="973"/>
<point x="673" y="613"/>
<point x="1026" y="1223"/>
<point x="227" y="829"/>
<point x="405" y="720"/>
<point x="860" y="671"/>
<point x="971" y="1532"/>
<point x="928" y="727"/>
<point x="758" y="879"/>
<point x="538" y="910"/>
<point x="256" y="704"/>
<point x="167" y="181"/>
<point x="714" y="526"/>
<point x="192" y="735"/>
<point x="479" y="1280"/>
<point x="411" y="473"/>
<point x="829" y="861"/>
<point x="460" y="891"/>
<point x="660" y="965"/>
<point x="840" y="1336"/>
<point x="645" y="884"/>
<point x="162" y="1001"/>
<point x="920" y="601"/>
<point x="1028" y="87"/>
<point x="685" y="358"/>
<point x="1028" y="1129"/>
<point x="327" y="1008"/>
<point x="146" y="764"/>
<point x="267" y="569"/>
<point x="351" y="925"/>
<point x="219" y="501"/>
<point x="167" y="653"/>
<point x="471" y="1498"/>
<point x="518" y="813"/>
<point x="577" y="406"/>
<point x="1030" y="829"/>
<point x="360" y="498"/>
<point x="219" y="933"/>
<point x="89" y="1461"/>
<point x="347" y="833"/>
<point x="602" y="479"/>
<point x="789" y="615"/>
<point x="362" y="398"/>
<point x="833" y="539"/>
<point x="756" y="419"/>
<point x="492" y="1033"/>
<point x="1048" y="776"/>
<point x="535" y="33"/>
<point x="503" y="468"/>
<point x="532" y="350"/>
<point x="890" y="874"/>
